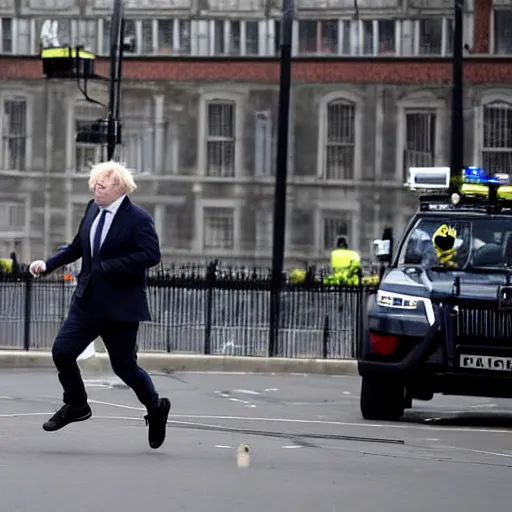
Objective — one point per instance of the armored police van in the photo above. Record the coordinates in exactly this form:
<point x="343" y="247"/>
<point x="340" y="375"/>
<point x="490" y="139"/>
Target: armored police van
<point x="441" y="320"/>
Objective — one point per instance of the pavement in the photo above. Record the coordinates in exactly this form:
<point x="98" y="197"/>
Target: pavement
<point x="309" y="448"/>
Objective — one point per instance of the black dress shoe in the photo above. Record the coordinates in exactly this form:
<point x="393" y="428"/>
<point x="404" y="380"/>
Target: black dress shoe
<point x="157" y="421"/>
<point x="67" y="414"/>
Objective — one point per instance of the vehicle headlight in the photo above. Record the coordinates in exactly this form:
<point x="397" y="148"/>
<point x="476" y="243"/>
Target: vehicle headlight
<point x="397" y="300"/>
<point x="402" y="301"/>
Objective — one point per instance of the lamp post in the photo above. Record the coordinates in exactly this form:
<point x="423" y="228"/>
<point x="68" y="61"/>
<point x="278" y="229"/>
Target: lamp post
<point x="278" y="245"/>
<point x="457" y="135"/>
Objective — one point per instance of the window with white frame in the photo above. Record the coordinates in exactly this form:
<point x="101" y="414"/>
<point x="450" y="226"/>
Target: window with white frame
<point x="378" y="37"/>
<point x="503" y="32"/>
<point x="173" y="37"/>
<point x="386" y="37"/>
<point x="264" y="219"/>
<point x="86" y="155"/>
<point x="263" y="144"/>
<point x="420" y="137"/>
<point x="334" y="224"/>
<point x="497" y="137"/>
<point x="6" y="45"/>
<point x="218" y="228"/>
<point x="14" y="134"/>
<point x="138" y="144"/>
<point x="139" y="133"/>
<point x="252" y="37"/>
<point x="318" y="37"/>
<point x="146" y="44"/>
<point x="12" y="215"/>
<point x="130" y="37"/>
<point x="435" y="36"/>
<point x="339" y="154"/>
<point x="23" y="42"/>
<point x="234" y="37"/>
<point x="220" y="138"/>
<point x="87" y="34"/>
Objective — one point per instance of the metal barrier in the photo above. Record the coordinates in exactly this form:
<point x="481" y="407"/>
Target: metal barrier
<point x="202" y="311"/>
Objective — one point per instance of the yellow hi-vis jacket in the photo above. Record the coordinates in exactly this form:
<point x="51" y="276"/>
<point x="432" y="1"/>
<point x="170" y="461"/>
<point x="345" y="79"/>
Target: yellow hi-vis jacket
<point x="343" y="259"/>
<point x="6" y="265"/>
<point x="345" y="265"/>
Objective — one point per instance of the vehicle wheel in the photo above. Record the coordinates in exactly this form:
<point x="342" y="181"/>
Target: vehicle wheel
<point x="382" y="399"/>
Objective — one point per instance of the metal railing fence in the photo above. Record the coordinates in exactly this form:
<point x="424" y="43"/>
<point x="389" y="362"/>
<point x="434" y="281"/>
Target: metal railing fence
<point x="202" y="310"/>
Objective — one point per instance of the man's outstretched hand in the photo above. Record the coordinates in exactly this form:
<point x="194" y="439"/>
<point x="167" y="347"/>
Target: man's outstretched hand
<point x="37" y="267"/>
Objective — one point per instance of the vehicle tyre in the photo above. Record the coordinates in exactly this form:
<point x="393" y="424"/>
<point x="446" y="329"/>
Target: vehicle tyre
<point x="382" y="399"/>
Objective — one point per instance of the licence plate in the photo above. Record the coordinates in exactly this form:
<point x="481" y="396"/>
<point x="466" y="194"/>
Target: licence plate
<point x="500" y="364"/>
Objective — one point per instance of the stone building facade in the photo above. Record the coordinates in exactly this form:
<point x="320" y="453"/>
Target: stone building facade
<point x="371" y="96"/>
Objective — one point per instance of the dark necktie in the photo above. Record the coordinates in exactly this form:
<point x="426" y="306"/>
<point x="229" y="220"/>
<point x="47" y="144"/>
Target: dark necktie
<point x="97" y="234"/>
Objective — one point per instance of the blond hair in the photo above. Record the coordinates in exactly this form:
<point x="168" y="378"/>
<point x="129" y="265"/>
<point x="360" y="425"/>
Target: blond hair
<point x="122" y="175"/>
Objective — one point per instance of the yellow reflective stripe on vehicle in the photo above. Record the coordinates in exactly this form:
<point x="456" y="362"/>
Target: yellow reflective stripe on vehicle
<point x="65" y="53"/>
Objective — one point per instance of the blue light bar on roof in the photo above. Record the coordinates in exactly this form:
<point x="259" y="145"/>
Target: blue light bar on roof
<point x="476" y="175"/>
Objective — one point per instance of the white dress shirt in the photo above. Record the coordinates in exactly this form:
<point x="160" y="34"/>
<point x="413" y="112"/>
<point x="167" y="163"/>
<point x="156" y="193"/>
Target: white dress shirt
<point x="109" y="217"/>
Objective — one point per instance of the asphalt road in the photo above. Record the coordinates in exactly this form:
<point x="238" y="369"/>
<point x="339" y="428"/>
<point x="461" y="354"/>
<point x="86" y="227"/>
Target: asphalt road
<point x="310" y="450"/>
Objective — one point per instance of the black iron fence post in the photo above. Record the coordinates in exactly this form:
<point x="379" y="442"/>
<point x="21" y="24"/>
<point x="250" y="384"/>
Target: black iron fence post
<point x="28" y="314"/>
<point x="167" y="315"/>
<point x="325" y="347"/>
<point x="360" y="312"/>
<point x="210" y="289"/>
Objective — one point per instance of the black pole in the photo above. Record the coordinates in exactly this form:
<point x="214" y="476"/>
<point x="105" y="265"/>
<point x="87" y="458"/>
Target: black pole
<point x="457" y="139"/>
<point x="281" y="173"/>
<point x="116" y="62"/>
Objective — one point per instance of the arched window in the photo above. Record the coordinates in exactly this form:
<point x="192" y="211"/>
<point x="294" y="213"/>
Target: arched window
<point x="497" y="137"/>
<point x="340" y="140"/>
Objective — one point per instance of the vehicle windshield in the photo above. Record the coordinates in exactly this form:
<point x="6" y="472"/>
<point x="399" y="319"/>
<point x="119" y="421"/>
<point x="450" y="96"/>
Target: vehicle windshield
<point x="459" y="243"/>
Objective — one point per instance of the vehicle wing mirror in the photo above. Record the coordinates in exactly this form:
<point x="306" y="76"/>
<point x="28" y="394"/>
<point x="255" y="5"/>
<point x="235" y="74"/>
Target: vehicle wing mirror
<point x="384" y="246"/>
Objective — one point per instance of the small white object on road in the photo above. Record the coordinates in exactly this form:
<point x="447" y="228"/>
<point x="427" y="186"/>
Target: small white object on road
<point x="243" y="457"/>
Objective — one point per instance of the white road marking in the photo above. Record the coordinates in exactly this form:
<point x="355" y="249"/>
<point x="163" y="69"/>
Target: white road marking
<point x="271" y="389"/>
<point x="283" y="420"/>
<point x="341" y="423"/>
<point x="245" y="402"/>
<point x="483" y="452"/>
<point x="246" y="391"/>
<point x="26" y="414"/>
<point x="483" y="406"/>
<point x="225" y="394"/>
<point x="292" y="446"/>
<point x="117" y="405"/>
<point x="224" y="446"/>
<point x="404" y="426"/>
<point x="347" y="393"/>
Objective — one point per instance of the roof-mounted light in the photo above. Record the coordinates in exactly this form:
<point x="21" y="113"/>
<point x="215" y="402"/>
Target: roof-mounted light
<point x="476" y="175"/>
<point x="428" y="178"/>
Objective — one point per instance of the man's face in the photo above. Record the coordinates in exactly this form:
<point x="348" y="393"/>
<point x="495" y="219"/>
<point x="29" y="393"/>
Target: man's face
<point x="107" y="191"/>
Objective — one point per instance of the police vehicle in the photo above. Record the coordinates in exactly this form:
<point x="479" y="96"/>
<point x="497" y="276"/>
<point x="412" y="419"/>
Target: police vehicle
<point x="441" y="319"/>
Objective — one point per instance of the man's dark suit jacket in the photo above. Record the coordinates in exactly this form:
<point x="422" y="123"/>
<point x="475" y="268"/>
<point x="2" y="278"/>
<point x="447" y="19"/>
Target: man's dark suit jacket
<point x="114" y="283"/>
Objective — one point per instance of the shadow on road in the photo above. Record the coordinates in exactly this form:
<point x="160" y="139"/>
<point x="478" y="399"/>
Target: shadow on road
<point x="498" y="420"/>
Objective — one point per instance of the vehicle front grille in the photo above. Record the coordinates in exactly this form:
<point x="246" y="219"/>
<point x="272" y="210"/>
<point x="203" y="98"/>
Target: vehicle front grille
<point x="485" y="324"/>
